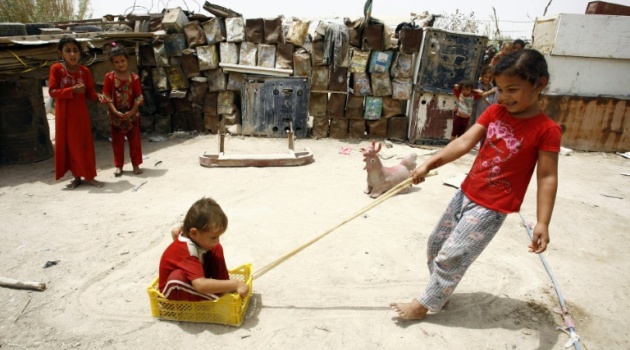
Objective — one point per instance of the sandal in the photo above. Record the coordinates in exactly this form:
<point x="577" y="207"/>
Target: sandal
<point x="118" y="172"/>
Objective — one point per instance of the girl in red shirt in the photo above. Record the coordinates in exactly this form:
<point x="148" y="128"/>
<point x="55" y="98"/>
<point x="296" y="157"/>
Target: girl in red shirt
<point x="519" y="138"/>
<point x="124" y="94"/>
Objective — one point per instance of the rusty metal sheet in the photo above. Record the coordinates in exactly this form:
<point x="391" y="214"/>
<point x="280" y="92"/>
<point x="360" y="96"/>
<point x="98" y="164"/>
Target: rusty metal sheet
<point x="160" y="57"/>
<point x="160" y="80"/>
<point x="397" y="128"/>
<point x="266" y="55"/>
<point x="271" y="105"/>
<point x="298" y="32"/>
<point x="247" y="56"/>
<point x="273" y="31"/>
<point x="354" y="107"/>
<point x="176" y="78"/>
<point x="229" y="53"/>
<point x="226" y="102"/>
<point x="377" y="129"/>
<point x="373" y="107"/>
<point x="595" y="124"/>
<point x="195" y="35"/>
<point x="302" y="63"/>
<point x="174" y="44"/>
<point x="321" y="125"/>
<point x="401" y="89"/>
<point x="320" y="78"/>
<point x="336" y="106"/>
<point x="359" y="61"/>
<point x="338" y="80"/>
<point x="381" y="84"/>
<point x="317" y="104"/>
<point x="214" y="29"/>
<point x="446" y="58"/>
<point x="235" y="81"/>
<point x="380" y="61"/>
<point x="356" y="129"/>
<point x="217" y="80"/>
<point x="235" y="29"/>
<point x="362" y="85"/>
<point x="284" y="56"/>
<point x="430" y="117"/>
<point x="190" y="65"/>
<point x="402" y="67"/>
<point x="207" y="57"/>
<point x="338" y="128"/>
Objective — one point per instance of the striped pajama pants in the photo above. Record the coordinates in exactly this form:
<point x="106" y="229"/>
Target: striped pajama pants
<point x="463" y="232"/>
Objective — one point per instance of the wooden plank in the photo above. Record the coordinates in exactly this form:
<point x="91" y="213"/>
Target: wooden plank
<point x="255" y="69"/>
<point x="257" y="160"/>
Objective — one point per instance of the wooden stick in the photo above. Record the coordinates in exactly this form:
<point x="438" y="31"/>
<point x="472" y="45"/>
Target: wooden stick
<point x="11" y="283"/>
<point x="393" y="191"/>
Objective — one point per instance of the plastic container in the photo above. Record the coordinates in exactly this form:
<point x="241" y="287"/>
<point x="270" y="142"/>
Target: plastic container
<point x="229" y="309"/>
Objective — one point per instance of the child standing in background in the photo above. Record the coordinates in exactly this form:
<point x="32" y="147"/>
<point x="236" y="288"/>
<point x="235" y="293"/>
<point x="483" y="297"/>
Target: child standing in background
<point x="522" y="139"/>
<point x="71" y="84"/>
<point x="124" y="94"/>
<point x="192" y="268"/>
<point x="489" y="96"/>
<point x="466" y="98"/>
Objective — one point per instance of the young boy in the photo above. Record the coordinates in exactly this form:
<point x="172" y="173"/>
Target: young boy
<point x="466" y="97"/>
<point x="193" y="267"/>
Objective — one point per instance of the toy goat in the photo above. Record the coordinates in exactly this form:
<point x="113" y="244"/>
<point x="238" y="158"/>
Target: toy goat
<point x="381" y="179"/>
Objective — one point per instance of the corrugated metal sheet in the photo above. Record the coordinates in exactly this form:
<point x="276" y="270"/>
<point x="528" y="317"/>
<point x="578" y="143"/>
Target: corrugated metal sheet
<point x="591" y="124"/>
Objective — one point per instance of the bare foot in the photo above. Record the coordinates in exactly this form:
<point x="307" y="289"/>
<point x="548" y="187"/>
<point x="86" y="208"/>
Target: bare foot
<point x="118" y="172"/>
<point x="137" y="170"/>
<point x="94" y="183"/>
<point x="410" y="311"/>
<point x="74" y="184"/>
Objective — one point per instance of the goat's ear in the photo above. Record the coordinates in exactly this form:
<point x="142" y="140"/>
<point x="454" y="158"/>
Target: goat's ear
<point x="378" y="149"/>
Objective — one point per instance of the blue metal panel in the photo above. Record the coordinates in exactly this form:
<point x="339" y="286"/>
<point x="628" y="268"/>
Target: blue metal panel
<point x="446" y="58"/>
<point x="270" y="104"/>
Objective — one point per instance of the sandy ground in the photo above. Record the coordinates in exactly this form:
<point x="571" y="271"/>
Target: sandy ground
<point x="334" y="294"/>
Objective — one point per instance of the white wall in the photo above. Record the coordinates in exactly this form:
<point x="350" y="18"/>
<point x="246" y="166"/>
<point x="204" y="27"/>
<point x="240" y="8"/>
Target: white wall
<point x="588" y="55"/>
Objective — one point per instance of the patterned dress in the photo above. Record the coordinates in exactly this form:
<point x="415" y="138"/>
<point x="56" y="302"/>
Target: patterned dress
<point x="74" y="144"/>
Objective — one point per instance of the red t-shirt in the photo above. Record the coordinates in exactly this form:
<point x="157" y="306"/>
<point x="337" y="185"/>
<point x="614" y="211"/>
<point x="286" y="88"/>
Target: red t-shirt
<point x="182" y="254"/>
<point x="504" y="166"/>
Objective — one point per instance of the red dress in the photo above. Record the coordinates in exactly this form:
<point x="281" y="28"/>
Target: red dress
<point x="74" y="144"/>
<point x="124" y="94"/>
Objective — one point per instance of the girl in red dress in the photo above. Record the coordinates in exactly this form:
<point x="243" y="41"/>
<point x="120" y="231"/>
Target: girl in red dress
<point x="123" y="94"/>
<point x="70" y="84"/>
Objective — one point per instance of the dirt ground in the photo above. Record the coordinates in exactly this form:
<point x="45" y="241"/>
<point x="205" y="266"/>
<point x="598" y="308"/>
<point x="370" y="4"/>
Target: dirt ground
<point x="334" y="294"/>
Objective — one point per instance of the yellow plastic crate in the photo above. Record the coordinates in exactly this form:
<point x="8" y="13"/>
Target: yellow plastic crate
<point x="229" y="309"/>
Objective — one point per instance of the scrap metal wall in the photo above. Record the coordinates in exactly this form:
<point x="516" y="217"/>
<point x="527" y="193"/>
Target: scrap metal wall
<point x="595" y="124"/>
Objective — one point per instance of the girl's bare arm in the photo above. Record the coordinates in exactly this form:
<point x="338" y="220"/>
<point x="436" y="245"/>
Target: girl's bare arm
<point x="451" y="152"/>
<point x="547" y="177"/>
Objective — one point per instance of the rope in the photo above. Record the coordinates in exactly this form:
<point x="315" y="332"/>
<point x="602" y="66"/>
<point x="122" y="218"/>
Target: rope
<point x="564" y="312"/>
<point x="393" y="191"/>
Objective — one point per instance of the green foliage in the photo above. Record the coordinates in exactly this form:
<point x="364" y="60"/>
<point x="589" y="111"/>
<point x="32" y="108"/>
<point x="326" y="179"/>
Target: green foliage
<point x="458" y="22"/>
<point x="37" y="11"/>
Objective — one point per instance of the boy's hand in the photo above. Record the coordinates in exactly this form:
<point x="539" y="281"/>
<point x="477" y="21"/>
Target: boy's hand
<point x="242" y="289"/>
<point x="175" y="232"/>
